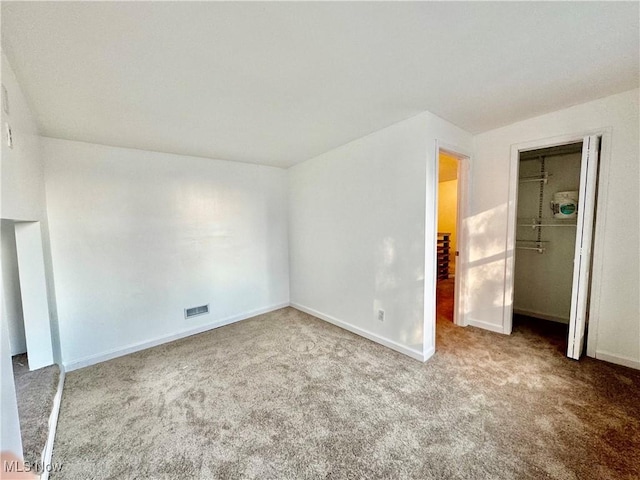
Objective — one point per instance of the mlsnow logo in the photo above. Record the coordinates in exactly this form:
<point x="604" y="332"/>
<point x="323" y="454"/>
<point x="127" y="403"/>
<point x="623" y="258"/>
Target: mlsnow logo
<point x="15" y="466"/>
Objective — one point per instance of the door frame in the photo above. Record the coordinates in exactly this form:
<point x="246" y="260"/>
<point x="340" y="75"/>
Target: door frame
<point x="462" y="238"/>
<point x="596" y="256"/>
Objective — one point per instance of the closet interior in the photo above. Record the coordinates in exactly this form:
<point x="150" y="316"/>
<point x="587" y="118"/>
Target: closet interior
<point x="548" y="202"/>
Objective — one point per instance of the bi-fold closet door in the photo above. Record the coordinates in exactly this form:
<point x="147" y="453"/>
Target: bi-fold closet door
<point x="583" y="247"/>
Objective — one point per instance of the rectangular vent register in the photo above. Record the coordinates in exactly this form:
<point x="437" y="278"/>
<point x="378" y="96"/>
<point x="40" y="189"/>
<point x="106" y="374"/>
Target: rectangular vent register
<point x="195" y="311"/>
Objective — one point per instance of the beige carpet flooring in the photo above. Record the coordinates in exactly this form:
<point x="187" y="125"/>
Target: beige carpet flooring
<point x="35" y="392"/>
<point x="288" y="396"/>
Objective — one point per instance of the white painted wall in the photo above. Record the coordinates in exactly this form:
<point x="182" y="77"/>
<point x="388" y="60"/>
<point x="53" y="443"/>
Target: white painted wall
<point x="358" y="230"/>
<point x="10" y="438"/>
<point x="138" y="236"/>
<point x="22" y="198"/>
<point x="12" y="313"/>
<point x="615" y="313"/>
<point x="23" y="193"/>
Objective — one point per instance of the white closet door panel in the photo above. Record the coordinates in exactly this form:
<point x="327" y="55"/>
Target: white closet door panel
<point x="584" y="234"/>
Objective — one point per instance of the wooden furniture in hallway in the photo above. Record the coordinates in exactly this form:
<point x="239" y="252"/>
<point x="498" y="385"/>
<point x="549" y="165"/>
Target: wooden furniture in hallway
<point x="444" y="242"/>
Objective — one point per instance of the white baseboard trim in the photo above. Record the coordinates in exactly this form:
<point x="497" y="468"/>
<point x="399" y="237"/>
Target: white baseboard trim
<point x="136" y="347"/>
<point x="429" y="353"/>
<point x="423" y="357"/>
<point x="618" y="359"/>
<point x="543" y="316"/>
<point x="486" y="325"/>
<point x="47" y="452"/>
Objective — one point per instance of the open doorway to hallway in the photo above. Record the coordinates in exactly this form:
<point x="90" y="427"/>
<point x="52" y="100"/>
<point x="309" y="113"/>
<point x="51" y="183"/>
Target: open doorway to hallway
<point x="448" y="226"/>
<point x="448" y="167"/>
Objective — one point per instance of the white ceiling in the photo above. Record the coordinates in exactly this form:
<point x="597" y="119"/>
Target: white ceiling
<point x="278" y="83"/>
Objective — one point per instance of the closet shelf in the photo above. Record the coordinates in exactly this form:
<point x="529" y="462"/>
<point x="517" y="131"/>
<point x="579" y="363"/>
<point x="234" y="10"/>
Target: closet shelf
<point x="544" y="177"/>
<point x="548" y="222"/>
<point x="535" y="245"/>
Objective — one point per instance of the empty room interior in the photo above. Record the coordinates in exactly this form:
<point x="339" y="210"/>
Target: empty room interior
<point x="320" y="240"/>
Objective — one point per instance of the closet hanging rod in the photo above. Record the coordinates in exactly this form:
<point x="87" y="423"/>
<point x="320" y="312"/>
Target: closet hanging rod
<point x="537" y="249"/>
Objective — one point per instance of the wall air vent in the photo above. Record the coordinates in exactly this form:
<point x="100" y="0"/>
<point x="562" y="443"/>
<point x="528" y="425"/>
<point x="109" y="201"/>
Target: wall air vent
<point x="195" y="311"/>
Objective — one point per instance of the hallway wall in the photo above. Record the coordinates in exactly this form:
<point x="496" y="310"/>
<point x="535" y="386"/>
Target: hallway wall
<point x="363" y="232"/>
<point x="448" y="217"/>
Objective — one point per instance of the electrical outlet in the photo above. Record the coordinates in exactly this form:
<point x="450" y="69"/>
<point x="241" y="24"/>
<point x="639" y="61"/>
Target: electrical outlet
<point x="380" y="315"/>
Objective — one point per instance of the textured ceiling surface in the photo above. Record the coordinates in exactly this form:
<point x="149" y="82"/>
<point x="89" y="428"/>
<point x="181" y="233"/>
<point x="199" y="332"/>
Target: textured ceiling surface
<point x="279" y="83"/>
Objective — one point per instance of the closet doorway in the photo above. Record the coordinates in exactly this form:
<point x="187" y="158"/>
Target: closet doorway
<point x="553" y="238"/>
